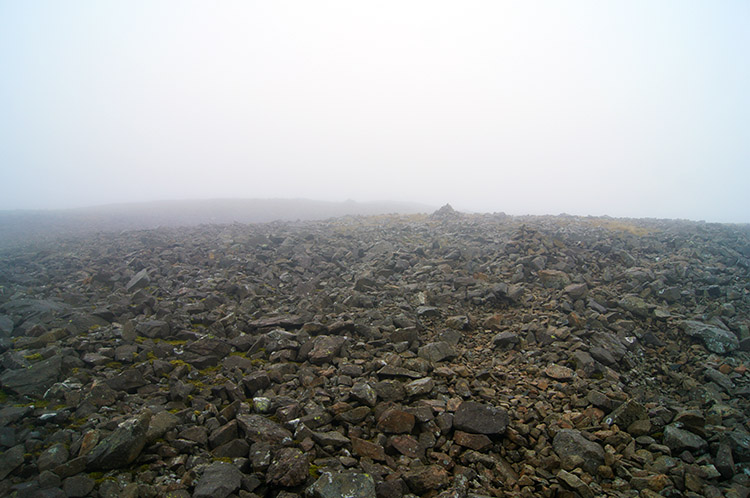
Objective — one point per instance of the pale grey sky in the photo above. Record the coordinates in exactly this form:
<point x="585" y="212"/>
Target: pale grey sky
<point x="625" y="108"/>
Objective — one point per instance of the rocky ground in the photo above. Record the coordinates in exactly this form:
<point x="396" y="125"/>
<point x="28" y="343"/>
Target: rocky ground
<point x="445" y="355"/>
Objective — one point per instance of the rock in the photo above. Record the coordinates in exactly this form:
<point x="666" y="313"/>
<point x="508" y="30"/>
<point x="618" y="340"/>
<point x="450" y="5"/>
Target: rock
<point x="129" y="380"/>
<point x="78" y="486"/>
<point x="571" y="443"/>
<point x="362" y="392"/>
<point x="478" y="418"/>
<point x="419" y="387"/>
<point x="576" y="291"/>
<point x="343" y="484"/>
<point x="421" y="480"/>
<point x="121" y="447"/>
<point x="161" y="422"/>
<point x="679" y="439"/>
<point x="368" y="449"/>
<point x="55" y="455"/>
<point x="139" y="281"/>
<point x="34" y="380"/>
<point x="554" y="279"/>
<point x="289" y="468"/>
<point x="260" y="429"/>
<point x="724" y="461"/>
<point x="739" y="442"/>
<point x="635" y="305"/>
<point x="627" y="413"/>
<point x="505" y="340"/>
<point x="325" y="348"/>
<point x="437" y="351"/>
<point x="717" y="340"/>
<point x="478" y="442"/>
<point x="219" y="480"/>
<point x="11" y="460"/>
<point x="396" y="421"/>
<point x="575" y="483"/>
<point x="559" y="372"/>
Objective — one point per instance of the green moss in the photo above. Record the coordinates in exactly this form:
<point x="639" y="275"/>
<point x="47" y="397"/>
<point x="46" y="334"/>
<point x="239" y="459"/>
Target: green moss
<point x="238" y="353"/>
<point x="178" y="363"/>
<point x="3" y="397"/>
<point x="314" y="471"/>
<point x="140" y="339"/>
<point x="114" y="364"/>
<point x="257" y="362"/>
<point x="210" y="370"/>
<point x="33" y="357"/>
<point x="176" y="343"/>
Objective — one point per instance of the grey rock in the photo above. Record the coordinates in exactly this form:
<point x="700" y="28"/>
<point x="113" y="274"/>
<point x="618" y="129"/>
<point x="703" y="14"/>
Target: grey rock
<point x="78" y="486"/>
<point x="505" y="340"/>
<point x="219" y="480"/>
<point x="55" y="455"/>
<point x="343" y="484"/>
<point x="679" y="439"/>
<point x="636" y="306"/>
<point x="570" y="442"/>
<point x="627" y="413"/>
<point x="437" y="351"/>
<point x="121" y="447"/>
<point x="34" y="380"/>
<point x="717" y="340"/>
<point x="364" y="393"/>
<point x="260" y="429"/>
<point x="289" y="468"/>
<point x="10" y="460"/>
<point x="139" y="281"/>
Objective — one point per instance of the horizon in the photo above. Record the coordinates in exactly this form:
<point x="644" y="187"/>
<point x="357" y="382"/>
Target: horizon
<point x="624" y="109"/>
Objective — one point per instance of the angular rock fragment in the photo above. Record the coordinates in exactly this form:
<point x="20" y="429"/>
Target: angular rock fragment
<point x="717" y="340"/>
<point x="348" y="484"/>
<point x="121" y="447"/>
<point x="219" y="480"/>
<point x="571" y="443"/>
<point x="478" y="418"/>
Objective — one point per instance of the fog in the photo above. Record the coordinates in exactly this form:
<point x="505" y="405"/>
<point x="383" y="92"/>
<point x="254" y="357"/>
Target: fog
<point x="623" y="108"/>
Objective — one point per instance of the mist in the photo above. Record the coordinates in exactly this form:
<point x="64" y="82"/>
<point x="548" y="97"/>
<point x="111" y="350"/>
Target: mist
<point x="631" y="109"/>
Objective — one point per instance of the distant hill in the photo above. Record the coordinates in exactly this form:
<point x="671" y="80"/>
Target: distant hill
<point x="20" y="227"/>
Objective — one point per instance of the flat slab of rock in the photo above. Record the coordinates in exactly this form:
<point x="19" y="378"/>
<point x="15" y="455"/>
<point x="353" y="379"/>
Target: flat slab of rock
<point x="478" y="418"/>
<point x="219" y="480"/>
<point x="559" y="372"/>
<point x="121" y="447"/>
<point x="344" y="484"/>
<point x="262" y="430"/>
<point x="716" y="339"/>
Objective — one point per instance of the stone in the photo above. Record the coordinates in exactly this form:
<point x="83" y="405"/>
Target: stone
<point x="478" y="442"/>
<point x="424" y="479"/>
<point x="55" y="455"/>
<point x="554" y="279"/>
<point x="78" y="486"/>
<point x="717" y="340"/>
<point x="396" y="421"/>
<point x="679" y="439"/>
<point x="368" y="449"/>
<point x="343" y="484"/>
<point x="289" y="468"/>
<point x="121" y="447"/>
<point x="571" y="443"/>
<point x="260" y="429"/>
<point x="559" y="372"/>
<point x="635" y="305"/>
<point x="138" y="281"/>
<point x="11" y="459"/>
<point x="218" y="480"/>
<point x="419" y="387"/>
<point x="35" y="379"/>
<point x="505" y="340"/>
<point x="627" y="413"/>
<point x="364" y="393"/>
<point x="160" y="423"/>
<point x="325" y="348"/>
<point x="437" y="351"/>
<point x="575" y="483"/>
<point x="479" y="418"/>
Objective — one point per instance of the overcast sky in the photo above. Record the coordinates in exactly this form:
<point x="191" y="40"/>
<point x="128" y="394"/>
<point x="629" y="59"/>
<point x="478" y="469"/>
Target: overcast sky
<point x="625" y="108"/>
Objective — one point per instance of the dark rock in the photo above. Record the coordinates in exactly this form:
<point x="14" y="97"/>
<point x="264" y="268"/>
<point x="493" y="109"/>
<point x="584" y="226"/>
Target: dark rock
<point x="679" y="439"/>
<point x="121" y="447"/>
<point x="478" y="418"/>
<point x="260" y="429"/>
<point x="11" y="460"/>
<point x="437" y="351"/>
<point x="505" y="339"/>
<point x="289" y="468"/>
<point x="396" y="421"/>
<point x="424" y="479"/>
<point x="34" y="380"/>
<point x="78" y="486"/>
<point x="219" y="480"/>
<point x="139" y="281"/>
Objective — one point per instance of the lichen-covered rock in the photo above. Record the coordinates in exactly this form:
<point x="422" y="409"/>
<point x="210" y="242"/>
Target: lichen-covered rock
<point x="121" y="447"/>
<point x="343" y="484"/>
